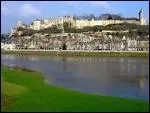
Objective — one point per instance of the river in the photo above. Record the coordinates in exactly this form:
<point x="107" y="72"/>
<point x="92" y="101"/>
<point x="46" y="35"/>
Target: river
<point x="114" y="76"/>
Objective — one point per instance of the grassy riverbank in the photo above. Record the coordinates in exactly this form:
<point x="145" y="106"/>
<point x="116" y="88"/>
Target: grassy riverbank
<point x="80" y="53"/>
<point x="26" y="91"/>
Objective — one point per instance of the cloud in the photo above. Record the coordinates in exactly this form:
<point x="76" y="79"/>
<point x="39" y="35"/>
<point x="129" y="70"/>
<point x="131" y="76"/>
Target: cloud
<point x="28" y="10"/>
<point x="102" y="4"/>
<point x="19" y="10"/>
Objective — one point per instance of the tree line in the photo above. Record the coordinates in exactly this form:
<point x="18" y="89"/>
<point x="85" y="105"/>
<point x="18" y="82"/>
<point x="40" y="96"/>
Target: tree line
<point x="105" y="16"/>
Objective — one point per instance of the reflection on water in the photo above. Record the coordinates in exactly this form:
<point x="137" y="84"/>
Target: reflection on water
<point x="33" y="58"/>
<point x="11" y="57"/>
<point x="124" y="77"/>
<point x="121" y="60"/>
<point x="142" y="83"/>
<point x="64" y="63"/>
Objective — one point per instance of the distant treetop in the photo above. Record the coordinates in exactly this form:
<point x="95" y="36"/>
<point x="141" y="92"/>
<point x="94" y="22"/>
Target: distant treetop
<point x="103" y="17"/>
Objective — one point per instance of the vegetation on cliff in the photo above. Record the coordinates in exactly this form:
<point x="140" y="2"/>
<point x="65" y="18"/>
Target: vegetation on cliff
<point x="132" y="28"/>
<point x="80" y="53"/>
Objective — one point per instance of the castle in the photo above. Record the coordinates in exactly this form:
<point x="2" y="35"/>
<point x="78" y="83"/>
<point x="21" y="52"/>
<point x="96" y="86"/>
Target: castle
<point x="80" y="41"/>
<point x="42" y="24"/>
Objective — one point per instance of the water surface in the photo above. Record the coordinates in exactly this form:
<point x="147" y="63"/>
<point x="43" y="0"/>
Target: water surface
<point x="116" y="76"/>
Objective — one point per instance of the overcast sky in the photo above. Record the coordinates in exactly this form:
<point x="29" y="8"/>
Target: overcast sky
<point x="26" y="11"/>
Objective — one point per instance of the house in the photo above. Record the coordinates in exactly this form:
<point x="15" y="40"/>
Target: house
<point x="131" y="45"/>
<point x="143" y="44"/>
<point x="8" y="46"/>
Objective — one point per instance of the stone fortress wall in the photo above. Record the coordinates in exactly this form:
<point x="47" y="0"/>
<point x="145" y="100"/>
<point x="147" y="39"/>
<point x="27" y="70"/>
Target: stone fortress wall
<point x="37" y="25"/>
<point x="42" y="24"/>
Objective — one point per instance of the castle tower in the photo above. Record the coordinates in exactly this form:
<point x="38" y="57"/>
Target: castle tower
<point x="141" y="18"/>
<point x="37" y="24"/>
<point x="19" y="23"/>
<point x="62" y="24"/>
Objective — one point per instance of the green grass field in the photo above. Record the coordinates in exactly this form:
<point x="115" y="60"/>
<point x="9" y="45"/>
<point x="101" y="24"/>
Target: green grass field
<point x="26" y="91"/>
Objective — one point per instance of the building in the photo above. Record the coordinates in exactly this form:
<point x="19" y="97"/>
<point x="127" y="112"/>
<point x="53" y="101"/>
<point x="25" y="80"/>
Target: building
<point x="36" y="25"/>
<point x="142" y="20"/>
<point x="132" y="44"/>
<point x="82" y="23"/>
<point x="8" y="46"/>
<point x="143" y="43"/>
<point x="77" y="23"/>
